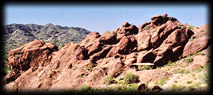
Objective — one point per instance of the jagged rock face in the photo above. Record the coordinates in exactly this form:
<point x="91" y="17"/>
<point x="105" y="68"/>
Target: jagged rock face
<point x="98" y="56"/>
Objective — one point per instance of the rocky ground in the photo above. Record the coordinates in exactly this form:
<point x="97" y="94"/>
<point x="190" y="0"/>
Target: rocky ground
<point x="178" y="51"/>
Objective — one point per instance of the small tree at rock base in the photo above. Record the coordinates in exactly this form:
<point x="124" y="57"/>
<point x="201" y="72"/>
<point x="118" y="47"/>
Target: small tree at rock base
<point x="130" y="78"/>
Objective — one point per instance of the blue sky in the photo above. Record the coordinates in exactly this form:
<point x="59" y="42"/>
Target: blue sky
<point x="102" y="18"/>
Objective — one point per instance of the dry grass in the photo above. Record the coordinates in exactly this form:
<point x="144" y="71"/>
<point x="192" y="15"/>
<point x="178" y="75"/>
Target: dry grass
<point x="184" y="80"/>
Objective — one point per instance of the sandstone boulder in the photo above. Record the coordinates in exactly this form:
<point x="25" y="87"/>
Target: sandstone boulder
<point x="154" y="87"/>
<point x="143" y="40"/>
<point x="90" y="38"/>
<point x="152" y="75"/>
<point x="125" y="46"/>
<point x="204" y="27"/>
<point x="31" y="54"/>
<point x="195" y="45"/>
<point x="108" y="38"/>
<point x="146" y="56"/>
<point x="101" y="54"/>
<point x="201" y="60"/>
<point x="95" y="47"/>
<point x="193" y="67"/>
<point x="125" y="30"/>
<point x="162" y="33"/>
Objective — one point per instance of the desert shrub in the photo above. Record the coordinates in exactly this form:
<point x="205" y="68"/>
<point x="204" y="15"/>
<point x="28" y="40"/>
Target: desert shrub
<point x="7" y="69"/>
<point x="182" y="27"/>
<point x="156" y="28"/>
<point x="190" y="27"/>
<point x="162" y="81"/>
<point x="95" y="68"/>
<point x="199" y="53"/>
<point x="120" y="88"/>
<point x="130" y="78"/>
<point x="132" y="87"/>
<point x="60" y="46"/>
<point x="146" y="27"/>
<point x="182" y="71"/>
<point x="188" y="59"/>
<point x="109" y="80"/>
<point x="120" y="81"/>
<point x="89" y="67"/>
<point x="85" y="88"/>
<point x="170" y="63"/>
<point x="143" y="68"/>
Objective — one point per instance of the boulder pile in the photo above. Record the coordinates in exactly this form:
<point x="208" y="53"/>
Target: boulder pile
<point x="40" y="65"/>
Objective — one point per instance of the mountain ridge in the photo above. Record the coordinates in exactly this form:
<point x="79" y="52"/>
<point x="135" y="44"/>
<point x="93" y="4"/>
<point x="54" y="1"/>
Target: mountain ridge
<point x="56" y="34"/>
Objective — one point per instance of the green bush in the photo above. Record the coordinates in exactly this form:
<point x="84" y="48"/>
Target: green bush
<point x="7" y="70"/>
<point x="143" y="68"/>
<point x="89" y="67"/>
<point x="130" y="78"/>
<point x="85" y="88"/>
<point x="199" y="53"/>
<point x="146" y="27"/>
<point x="109" y="80"/>
<point x="132" y="87"/>
<point x="156" y="28"/>
<point x="188" y="59"/>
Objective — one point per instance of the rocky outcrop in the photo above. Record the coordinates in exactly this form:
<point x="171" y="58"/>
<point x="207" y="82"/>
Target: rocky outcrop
<point x="31" y="55"/>
<point x="110" y="54"/>
<point x="195" y="45"/>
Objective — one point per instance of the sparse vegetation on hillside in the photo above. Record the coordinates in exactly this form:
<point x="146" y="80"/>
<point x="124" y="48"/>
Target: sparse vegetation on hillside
<point x="146" y="67"/>
<point x="130" y="78"/>
<point x="85" y="88"/>
<point x="162" y="81"/>
<point x="109" y="80"/>
<point x="188" y="59"/>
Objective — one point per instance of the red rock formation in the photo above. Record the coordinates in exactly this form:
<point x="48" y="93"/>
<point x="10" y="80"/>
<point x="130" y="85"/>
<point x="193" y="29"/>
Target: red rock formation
<point x="31" y="55"/>
<point x="39" y="65"/>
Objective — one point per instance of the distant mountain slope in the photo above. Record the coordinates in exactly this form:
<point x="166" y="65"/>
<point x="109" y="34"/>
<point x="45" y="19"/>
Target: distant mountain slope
<point x="18" y="34"/>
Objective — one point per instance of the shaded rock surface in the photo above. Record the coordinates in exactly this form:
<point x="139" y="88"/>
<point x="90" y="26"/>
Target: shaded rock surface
<point x="40" y="65"/>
